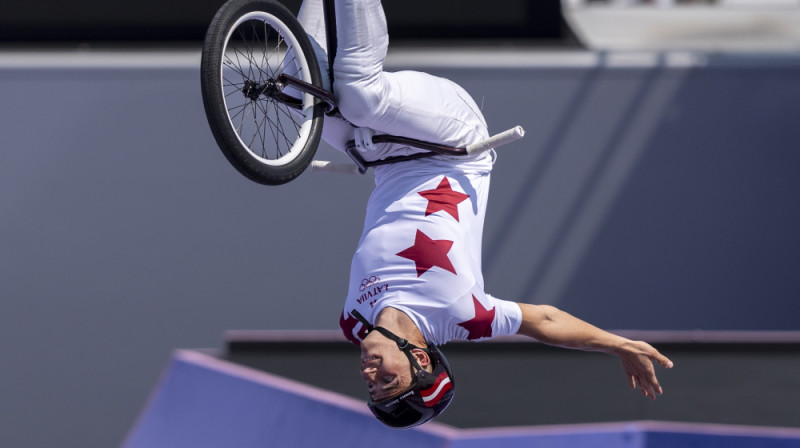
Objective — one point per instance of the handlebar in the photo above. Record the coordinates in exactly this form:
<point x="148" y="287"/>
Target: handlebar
<point x="503" y="138"/>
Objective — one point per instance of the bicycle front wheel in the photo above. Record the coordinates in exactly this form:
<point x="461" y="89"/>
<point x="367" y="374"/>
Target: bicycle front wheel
<point x="267" y="131"/>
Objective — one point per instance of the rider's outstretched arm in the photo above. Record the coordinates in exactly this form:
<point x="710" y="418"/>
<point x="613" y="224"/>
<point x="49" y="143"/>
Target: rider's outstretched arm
<point x="552" y="326"/>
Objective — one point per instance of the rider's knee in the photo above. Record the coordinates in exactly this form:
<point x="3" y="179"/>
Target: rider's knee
<point x="359" y="102"/>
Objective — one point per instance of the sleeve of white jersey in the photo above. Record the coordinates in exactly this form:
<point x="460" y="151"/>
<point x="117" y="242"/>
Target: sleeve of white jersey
<point x="508" y="316"/>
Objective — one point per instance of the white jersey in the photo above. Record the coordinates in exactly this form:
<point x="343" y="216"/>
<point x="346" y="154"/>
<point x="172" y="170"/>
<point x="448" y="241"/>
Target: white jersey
<point x="421" y="247"/>
<point x="421" y="253"/>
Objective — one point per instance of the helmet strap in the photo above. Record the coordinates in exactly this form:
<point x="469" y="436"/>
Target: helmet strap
<point x="402" y="344"/>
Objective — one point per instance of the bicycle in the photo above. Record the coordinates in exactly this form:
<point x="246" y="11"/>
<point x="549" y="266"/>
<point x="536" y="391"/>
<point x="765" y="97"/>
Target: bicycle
<point x="264" y="100"/>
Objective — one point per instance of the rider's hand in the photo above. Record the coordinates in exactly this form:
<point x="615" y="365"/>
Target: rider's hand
<point x="637" y="361"/>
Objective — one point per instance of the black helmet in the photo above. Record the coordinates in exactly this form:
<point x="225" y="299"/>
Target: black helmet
<point x="428" y="395"/>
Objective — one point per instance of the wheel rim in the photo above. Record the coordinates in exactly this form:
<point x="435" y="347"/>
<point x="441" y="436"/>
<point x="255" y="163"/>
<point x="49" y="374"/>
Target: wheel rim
<point x="257" y="49"/>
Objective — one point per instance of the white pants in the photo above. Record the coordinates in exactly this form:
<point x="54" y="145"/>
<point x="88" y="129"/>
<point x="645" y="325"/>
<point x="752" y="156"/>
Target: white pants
<point x="407" y="103"/>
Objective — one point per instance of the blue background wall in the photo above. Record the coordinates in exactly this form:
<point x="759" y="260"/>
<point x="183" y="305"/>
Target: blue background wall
<point x="653" y="191"/>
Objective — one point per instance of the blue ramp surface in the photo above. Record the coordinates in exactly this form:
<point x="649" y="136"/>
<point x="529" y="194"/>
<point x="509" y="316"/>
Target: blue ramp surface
<point x="202" y="401"/>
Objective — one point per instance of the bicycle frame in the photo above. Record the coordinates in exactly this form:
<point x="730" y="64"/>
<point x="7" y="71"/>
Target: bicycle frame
<point x="329" y="11"/>
<point x="274" y="87"/>
<point x="328" y="97"/>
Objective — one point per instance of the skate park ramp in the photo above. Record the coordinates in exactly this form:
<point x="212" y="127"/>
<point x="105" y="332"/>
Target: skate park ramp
<point x="208" y="399"/>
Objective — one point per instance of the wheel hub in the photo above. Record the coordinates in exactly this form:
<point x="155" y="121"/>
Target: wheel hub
<point x="253" y="90"/>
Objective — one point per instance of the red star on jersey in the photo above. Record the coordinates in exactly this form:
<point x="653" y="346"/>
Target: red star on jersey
<point x="443" y="198"/>
<point x="428" y="253"/>
<point x="479" y="326"/>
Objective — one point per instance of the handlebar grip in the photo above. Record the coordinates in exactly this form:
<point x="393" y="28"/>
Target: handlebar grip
<point x="321" y="166"/>
<point x="505" y="137"/>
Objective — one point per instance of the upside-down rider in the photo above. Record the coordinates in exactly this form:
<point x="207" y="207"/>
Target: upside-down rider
<point x="416" y="281"/>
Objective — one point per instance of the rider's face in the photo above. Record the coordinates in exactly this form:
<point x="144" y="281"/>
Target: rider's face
<point x="385" y="368"/>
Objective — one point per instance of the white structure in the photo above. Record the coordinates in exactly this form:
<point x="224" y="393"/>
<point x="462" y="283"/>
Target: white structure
<point x="721" y="25"/>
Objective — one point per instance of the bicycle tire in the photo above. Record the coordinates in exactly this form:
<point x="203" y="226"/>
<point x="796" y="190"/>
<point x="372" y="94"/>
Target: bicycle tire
<point x="266" y="137"/>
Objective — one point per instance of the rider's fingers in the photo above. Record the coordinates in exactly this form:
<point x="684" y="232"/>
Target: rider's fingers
<point x="631" y="380"/>
<point x="662" y="360"/>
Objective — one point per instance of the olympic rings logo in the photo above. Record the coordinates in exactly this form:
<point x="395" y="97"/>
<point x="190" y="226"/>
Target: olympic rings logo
<point x="367" y="282"/>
